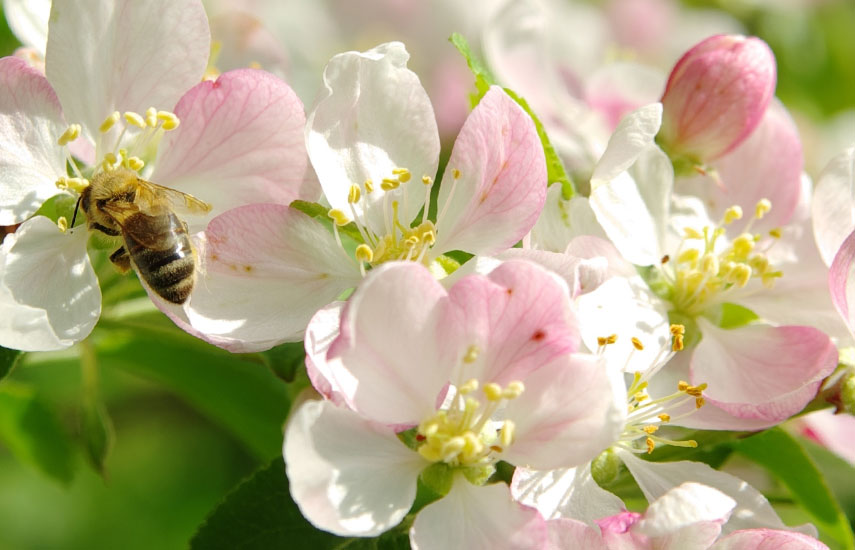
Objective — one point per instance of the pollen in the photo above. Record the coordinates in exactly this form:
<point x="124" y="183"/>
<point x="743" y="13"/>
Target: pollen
<point x="70" y="134"/>
<point x="109" y="122"/>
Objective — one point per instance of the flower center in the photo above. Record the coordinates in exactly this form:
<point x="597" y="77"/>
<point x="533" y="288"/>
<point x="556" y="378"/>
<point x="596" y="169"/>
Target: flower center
<point x="465" y="434"/>
<point x="645" y="414"/>
<point x="707" y="269"/>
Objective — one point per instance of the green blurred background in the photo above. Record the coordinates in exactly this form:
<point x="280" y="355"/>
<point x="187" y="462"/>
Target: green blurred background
<point x="186" y="422"/>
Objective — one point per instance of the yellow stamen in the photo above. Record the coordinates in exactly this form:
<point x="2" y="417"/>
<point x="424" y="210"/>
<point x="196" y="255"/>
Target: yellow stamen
<point x="109" y="122"/>
<point x="732" y="214"/>
<point x="364" y="253"/>
<point x="763" y="207"/>
<point x="493" y="391"/>
<point x="62" y="224"/>
<point x="135" y="119"/>
<point x="471" y="354"/>
<point x="170" y="121"/>
<point x="151" y="117"/>
<point x="637" y="343"/>
<point x="354" y="194"/>
<point x="70" y="134"/>
<point x="339" y="217"/>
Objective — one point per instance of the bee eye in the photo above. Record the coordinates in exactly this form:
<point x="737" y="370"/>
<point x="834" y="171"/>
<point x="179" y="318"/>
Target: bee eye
<point x="130" y="196"/>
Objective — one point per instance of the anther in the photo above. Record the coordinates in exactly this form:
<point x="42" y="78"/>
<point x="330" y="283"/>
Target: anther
<point x="151" y="117"/>
<point x="70" y="134"/>
<point x="427" y="180"/>
<point x="506" y="434"/>
<point x="763" y="207"/>
<point x="471" y="354"/>
<point x="389" y="184"/>
<point x="650" y="429"/>
<point x="62" y="224"/>
<point x="354" y="194"/>
<point x="369" y="186"/>
<point x="135" y="119"/>
<point x="469" y="386"/>
<point x="364" y="253"/>
<point x="689" y="256"/>
<point x="775" y="233"/>
<point x="741" y="275"/>
<point x="513" y="390"/>
<point x="650" y="445"/>
<point x="732" y="214"/>
<point x="403" y="174"/>
<point x="135" y="163"/>
<point x="664" y="417"/>
<point x="170" y="121"/>
<point x="493" y="391"/>
<point x="692" y="233"/>
<point x="709" y="264"/>
<point x="339" y="217"/>
<point x="109" y="122"/>
<point x="743" y="245"/>
<point x="637" y="343"/>
<point x="455" y="173"/>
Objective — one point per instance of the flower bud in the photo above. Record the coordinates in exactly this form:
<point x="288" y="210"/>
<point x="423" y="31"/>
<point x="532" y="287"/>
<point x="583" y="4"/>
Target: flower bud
<point x="715" y="97"/>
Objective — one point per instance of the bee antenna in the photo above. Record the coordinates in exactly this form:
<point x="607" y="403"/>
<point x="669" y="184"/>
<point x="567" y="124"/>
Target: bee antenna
<point x="76" y="208"/>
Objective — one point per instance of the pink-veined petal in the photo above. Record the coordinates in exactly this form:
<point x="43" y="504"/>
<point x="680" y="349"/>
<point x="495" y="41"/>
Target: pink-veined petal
<point x="495" y="182"/>
<point x="833" y="206"/>
<point x="477" y="517"/>
<point x="760" y="372"/>
<point x="326" y="374"/>
<point x="30" y="124"/>
<point x="389" y="343"/>
<point x="265" y="269"/>
<point x="240" y="142"/>
<point x="372" y="117"/>
<point x="631" y="188"/>
<point x="767" y="539"/>
<point x="348" y="475"/>
<point x="582" y="275"/>
<point x="49" y="295"/>
<point x="565" y="492"/>
<point x="836" y="432"/>
<point x="124" y="55"/>
<point x="517" y="318"/>
<point x="767" y="165"/>
<point x="752" y="509"/>
<point x="841" y="280"/>
<point x="570" y="411"/>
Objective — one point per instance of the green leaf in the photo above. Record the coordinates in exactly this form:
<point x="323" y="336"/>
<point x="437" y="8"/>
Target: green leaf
<point x="98" y="435"/>
<point x="33" y="433"/>
<point x="555" y="171"/>
<point x="320" y="213"/>
<point x="285" y="360"/>
<point x="734" y="315"/>
<point x="783" y="457"/>
<point x="8" y="360"/>
<point x="838" y="474"/>
<point x="234" y="390"/>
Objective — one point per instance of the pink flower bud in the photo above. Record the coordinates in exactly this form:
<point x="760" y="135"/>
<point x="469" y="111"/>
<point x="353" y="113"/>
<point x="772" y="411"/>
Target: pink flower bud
<point x="716" y="96"/>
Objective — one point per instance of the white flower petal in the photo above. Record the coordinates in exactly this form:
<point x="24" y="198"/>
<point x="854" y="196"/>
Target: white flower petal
<point x="752" y="509"/>
<point x="834" y="204"/>
<point x="373" y="116"/>
<point x="30" y="123"/>
<point x="566" y="492"/>
<point x="348" y="476"/>
<point x="124" y="55"/>
<point x="563" y="220"/>
<point x="28" y="19"/>
<point x="683" y="506"/>
<point x="477" y="518"/>
<point x="49" y="295"/>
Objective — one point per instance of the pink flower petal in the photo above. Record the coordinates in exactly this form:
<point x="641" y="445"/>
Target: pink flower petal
<point x="240" y="142"/>
<point x="348" y="476"/>
<point x="518" y="318"/>
<point x="49" y="295"/>
<point x="501" y="186"/>
<point x="568" y="533"/>
<point x="570" y="411"/>
<point x="760" y="372"/>
<point x="581" y="275"/>
<point x="835" y="432"/>
<point x="327" y="375"/>
<point x="767" y="539"/>
<point x="841" y="280"/>
<point x="767" y="165"/>
<point x="390" y="344"/>
<point x="477" y="517"/>
<point x="30" y="123"/>
<point x="123" y="55"/>
<point x="265" y="270"/>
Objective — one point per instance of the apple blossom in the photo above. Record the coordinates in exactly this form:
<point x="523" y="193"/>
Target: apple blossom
<point x="215" y="144"/>
<point x="373" y="141"/>
<point x="715" y="96"/>
<point x="688" y="516"/>
<point x="484" y="371"/>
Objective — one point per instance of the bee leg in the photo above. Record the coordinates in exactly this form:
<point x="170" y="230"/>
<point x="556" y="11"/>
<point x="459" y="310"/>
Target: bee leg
<point x="121" y="259"/>
<point x="105" y="230"/>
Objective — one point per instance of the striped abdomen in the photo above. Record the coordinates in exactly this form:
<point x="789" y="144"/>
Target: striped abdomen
<point x="162" y="254"/>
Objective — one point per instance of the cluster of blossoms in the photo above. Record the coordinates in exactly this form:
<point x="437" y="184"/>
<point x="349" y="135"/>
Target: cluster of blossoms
<point x="563" y="358"/>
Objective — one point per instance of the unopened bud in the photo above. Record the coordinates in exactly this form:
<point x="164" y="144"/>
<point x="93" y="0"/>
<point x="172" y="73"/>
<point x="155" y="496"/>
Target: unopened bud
<point x="716" y="95"/>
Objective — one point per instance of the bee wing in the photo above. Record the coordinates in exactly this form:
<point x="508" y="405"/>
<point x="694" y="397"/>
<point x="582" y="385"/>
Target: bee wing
<point x="156" y="199"/>
<point x="144" y="228"/>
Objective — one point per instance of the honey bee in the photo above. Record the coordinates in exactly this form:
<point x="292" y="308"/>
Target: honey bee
<point x="156" y="244"/>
